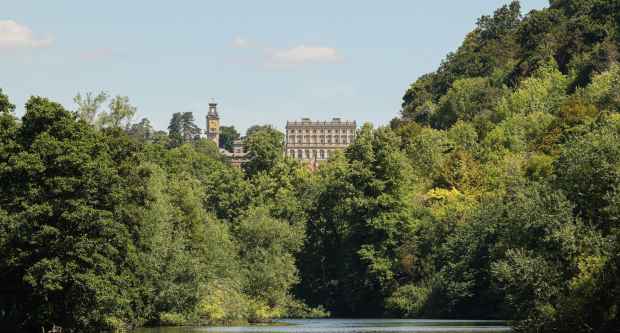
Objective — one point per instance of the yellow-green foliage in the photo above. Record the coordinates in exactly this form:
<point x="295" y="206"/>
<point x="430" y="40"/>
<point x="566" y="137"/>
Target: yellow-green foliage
<point x="172" y="319"/>
<point x="589" y="269"/>
<point x="519" y="133"/>
<point x="604" y="91"/>
<point x="114" y="324"/>
<point x="539" y="166"/>
<point x="408" y="300"/>
<point x="543" y="92"/>
<point x="223" y="301"/>
<point x="446" y="204"/>
<point x="260" y="312"/>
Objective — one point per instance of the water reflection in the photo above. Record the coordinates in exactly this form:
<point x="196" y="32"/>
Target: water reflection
<point x="350" y="326"/>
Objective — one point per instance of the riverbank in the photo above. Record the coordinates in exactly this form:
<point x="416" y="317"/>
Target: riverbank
<point x="334" y="325"/>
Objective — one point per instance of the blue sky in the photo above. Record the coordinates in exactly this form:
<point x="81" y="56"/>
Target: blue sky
<point x="263" y="61"/>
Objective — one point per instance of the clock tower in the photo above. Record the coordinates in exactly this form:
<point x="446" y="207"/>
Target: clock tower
<point x="213" y="124"/>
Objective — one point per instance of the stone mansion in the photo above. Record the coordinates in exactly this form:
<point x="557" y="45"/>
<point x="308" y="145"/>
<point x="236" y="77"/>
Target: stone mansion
<point x="308" y="140"/>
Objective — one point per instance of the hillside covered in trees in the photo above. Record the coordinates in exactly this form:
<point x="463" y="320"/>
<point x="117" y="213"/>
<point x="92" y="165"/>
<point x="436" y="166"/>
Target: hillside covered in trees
<point x="494" y="195"/>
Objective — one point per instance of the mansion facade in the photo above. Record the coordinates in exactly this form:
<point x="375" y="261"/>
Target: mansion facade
<point x="308" y="140"/>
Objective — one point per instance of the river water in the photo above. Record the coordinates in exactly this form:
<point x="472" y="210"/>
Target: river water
<point x="349" y="326"/>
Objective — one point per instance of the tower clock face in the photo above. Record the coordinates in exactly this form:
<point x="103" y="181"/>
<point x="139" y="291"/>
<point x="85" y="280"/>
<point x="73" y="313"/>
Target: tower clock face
<point x="212" y="125"/>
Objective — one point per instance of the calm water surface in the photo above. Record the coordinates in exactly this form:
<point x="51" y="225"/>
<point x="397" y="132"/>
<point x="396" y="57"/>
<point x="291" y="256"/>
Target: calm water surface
<point x="349" y="326"/>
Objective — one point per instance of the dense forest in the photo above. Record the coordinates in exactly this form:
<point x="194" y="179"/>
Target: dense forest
<point x="495" y="194"/>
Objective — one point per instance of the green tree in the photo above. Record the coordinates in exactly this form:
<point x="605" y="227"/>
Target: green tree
<point x="228" y="134"/>
<point x="89" y="104"/>
<point x="142" y="131"/>
<point x="267" y="249"/>
<point x="183" y="129"/>
<point x="72" y="266"/>
<point x="354" y="228"/>
<point x="120" y="113"/>
<point x="256" y="128"/>
<point x="466" y="99"/>
<point x="264" y="148"/>
<point x="588" y="172"/>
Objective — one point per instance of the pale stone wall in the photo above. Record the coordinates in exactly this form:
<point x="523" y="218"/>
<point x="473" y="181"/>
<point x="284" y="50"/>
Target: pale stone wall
<point x="317" y="140"/>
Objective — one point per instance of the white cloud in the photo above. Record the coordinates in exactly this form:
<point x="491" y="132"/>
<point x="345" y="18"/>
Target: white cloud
<point x="240" y="42"/>
<point x="14" y="35"/>
<point x="289" y="57"/>
<point x="304" y="54"/>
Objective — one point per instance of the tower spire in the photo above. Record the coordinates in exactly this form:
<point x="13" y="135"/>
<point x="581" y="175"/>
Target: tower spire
<point x="212" y="107"/>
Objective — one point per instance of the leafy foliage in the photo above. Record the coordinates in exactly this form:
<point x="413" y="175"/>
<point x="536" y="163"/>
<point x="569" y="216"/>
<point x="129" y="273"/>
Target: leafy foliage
<point x="495" y="195"/>
<point x="109" y="228"/>
<point x="228" y="134"/>
<point x="264" y="148"/>
<point x="513" y="141"/>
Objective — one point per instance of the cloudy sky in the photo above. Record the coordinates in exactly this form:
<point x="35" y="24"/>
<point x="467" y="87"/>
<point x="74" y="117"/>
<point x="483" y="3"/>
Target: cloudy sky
<point x="264" y="61"/>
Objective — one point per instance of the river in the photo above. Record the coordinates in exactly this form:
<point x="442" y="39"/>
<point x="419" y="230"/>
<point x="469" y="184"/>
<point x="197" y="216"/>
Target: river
<point x="348" y="326"/>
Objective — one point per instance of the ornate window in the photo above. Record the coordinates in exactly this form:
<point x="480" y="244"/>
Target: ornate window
<point x="322" y="154"/>
<point x="300" y="154"/>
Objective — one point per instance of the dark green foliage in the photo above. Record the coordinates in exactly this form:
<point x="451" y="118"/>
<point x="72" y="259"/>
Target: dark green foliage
<point x="255" y="128"/>
<point x="589" y="165"/>
<point x="495" y="195"/>
<point x="355" y="225"/>
<point x="466" y="100"/>
<point x="228" y="134"/>
<point x="517" y="181"/>
<point x="142" y="131"/>
<point x="182" y="129"/>
<point x="5" y="104"/>
<point x="65" y="251"/>
<point x="107" y="229"/>
<point x="581" y="36"/>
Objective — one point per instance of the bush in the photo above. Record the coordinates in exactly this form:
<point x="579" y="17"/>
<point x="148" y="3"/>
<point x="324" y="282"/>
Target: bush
<point x="298" y="309"/>
<point x="408" y="300"/>
<point x="172" y="319"/>
<point x="114" y="324"/>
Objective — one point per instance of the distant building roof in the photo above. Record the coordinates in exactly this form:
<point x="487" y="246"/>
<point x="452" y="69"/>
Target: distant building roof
<point x="333" y="122"/>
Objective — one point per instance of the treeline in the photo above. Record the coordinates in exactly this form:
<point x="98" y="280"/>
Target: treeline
<point x="496" y="194"/>
<point x="104" y="226"/>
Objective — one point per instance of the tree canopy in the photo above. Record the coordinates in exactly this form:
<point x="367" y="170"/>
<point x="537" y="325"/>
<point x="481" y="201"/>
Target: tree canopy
<point x="494" y="195"/>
